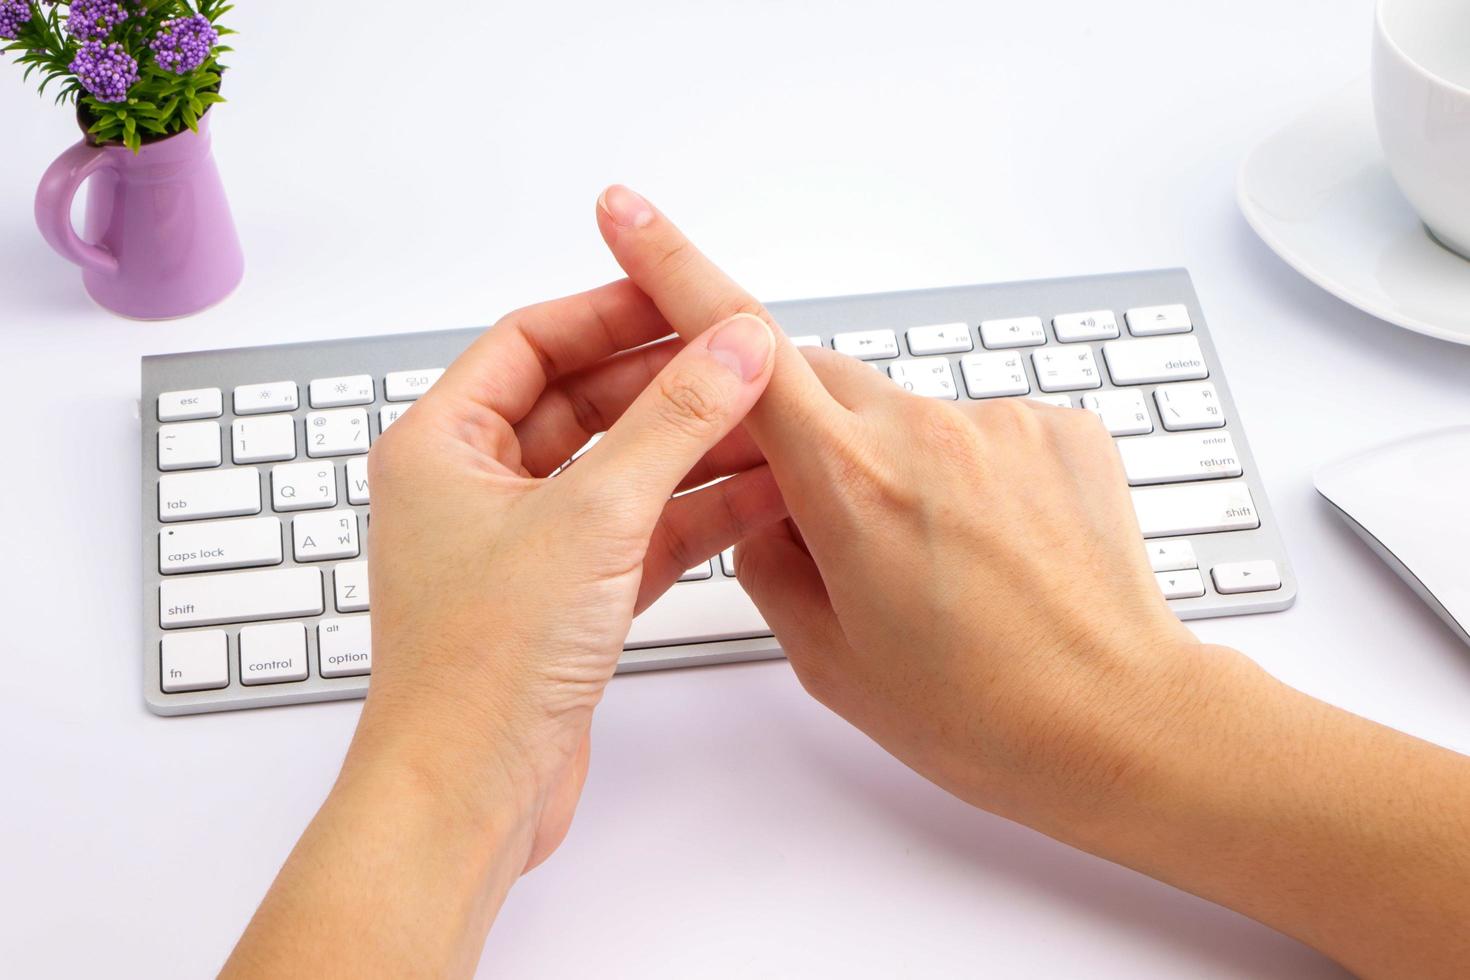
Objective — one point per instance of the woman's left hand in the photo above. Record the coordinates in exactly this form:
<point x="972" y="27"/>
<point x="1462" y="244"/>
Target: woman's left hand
<point x="502" y="594"/>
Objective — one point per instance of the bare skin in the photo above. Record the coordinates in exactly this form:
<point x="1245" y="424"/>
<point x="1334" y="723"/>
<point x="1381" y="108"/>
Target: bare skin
<point x="1084" y="710"/>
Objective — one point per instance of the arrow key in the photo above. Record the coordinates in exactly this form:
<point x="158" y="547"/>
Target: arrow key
<point x="1246" y="576"/>
<point x="1171" y="554"/>
<point x="1186" y="584"/>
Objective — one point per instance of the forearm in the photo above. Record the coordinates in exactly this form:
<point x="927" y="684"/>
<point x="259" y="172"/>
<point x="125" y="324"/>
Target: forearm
<point x="1345" y="834"/>
<point x="397" y="875"/>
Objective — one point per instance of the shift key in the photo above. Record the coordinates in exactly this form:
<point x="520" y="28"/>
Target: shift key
<point x="1196" y="508"/>
<point x="241" y="597"/>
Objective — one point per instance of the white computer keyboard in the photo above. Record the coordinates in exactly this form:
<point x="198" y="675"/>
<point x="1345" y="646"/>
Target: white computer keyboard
<point x="255" y="490"/>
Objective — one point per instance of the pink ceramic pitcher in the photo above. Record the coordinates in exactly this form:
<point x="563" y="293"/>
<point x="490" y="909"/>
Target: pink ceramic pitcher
<point x="158" y="241"/>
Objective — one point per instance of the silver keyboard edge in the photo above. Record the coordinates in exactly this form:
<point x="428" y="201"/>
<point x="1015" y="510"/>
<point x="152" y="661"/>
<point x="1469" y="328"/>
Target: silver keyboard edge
<point x="378" y="355"/>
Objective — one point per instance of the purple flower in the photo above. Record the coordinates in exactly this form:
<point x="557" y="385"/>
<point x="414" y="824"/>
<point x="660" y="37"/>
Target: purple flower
<point x="107" y="72"/>
<point x="13" y="13"/>
<point x="184" y="44"/>
<point x="93" y="20"/>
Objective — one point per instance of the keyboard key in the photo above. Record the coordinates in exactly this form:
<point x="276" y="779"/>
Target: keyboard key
<point x="941" y="338"/>
<point x="1055" y="401"/>
<point x="219" y="544"/>
<point x="356" y="389"/>
<point x="994" y="375"/>
<point x="195" y="496"/>
<point x="723" y="612"/>
<point x="1171" y="556"/>
<point x="1183" y="584"/>
<point x="303" y="486"/>
<point x="319" y="537"/>
<point x="407" y="386"/>
<point x="1196" y="508"/>
<point x="357" y="480"/>
<point x="727" y="562"/>
<point x="1146" y="321"/>
<point x="1021" y="331"/>
<point x="275" y="396"/>
<point x="869" y="345"/>
<point x="1246" y="576"/>
<point x="1097" y="325"/>
<point x="930" y="377"/>
<point x="1066" y="369"/>
<point x="1124" y="412"/>
<point x="807" y="340"/>
<point x="345" y="646"/>
<point x="342" y="432"/>
<point x="195" y="661"/>
<point x="586" y="446"/>
<point x="350" y="583"/>
<point x="697" y="574"/>
<point x="188" y="445"/>
<point x="1181" y="458"/>
<point x="184" y="406"/>
<point x="267" y="439"/>
<point x="1191" y="406"/>
<point x="273" y="654"/>
<point x="1141" y="362"/>
<point x="239" y="597"/>
<point x="389" y="414"/>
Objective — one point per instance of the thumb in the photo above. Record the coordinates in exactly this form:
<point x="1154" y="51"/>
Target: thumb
<point x="694" y="402"/>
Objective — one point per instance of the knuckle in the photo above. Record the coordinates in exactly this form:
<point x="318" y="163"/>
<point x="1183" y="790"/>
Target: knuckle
<point x="691" y="402"/>
<point x="674" y="259"/>
<point x="676" y="545"/>
<point x="1080" y="431"/>
<point x="385" y="458"/>
<point x="871" y="481"/>
<point x="1014" y="417"/>
<point x="1089" y="425"/>
<point x="737" y="303"/>
<point x="944" y="426"/>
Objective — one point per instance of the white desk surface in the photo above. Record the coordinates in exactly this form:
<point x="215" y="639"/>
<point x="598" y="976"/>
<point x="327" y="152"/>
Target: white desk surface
<point x="731" y="827"/>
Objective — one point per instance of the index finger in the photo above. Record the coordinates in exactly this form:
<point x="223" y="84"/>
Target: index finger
<point x="694" y="294"/>
<point x="508" y="367"/>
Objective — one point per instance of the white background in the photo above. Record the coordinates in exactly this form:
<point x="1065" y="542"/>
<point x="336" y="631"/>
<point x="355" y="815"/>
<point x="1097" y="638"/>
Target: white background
<point x="402" y="167"/>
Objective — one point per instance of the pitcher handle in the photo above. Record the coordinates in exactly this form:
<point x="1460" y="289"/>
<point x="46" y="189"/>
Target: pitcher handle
<point x="54" y="197"/>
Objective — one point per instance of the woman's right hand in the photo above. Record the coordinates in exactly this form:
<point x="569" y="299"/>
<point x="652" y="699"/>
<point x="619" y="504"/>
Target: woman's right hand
<point x="965" y="582"/>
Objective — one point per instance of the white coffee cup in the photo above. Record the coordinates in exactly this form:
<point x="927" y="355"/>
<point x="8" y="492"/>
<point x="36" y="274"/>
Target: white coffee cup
<point x="1421" y="97"/>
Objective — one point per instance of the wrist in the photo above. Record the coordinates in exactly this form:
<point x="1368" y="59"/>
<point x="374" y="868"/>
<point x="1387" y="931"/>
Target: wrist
<point x="445" y="775"/>
<point x="1173" y="744"/>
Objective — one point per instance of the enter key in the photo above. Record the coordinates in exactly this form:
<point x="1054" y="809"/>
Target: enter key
<point x="1180" y="458"/>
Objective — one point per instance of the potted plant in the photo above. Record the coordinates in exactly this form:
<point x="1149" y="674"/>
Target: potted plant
<point x="144" y="76"/>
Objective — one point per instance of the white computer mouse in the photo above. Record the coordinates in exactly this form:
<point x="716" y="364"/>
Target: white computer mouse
<point x="1410" y="500"/>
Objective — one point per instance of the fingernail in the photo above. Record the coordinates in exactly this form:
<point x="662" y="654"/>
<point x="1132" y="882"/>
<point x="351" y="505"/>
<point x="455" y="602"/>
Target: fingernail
<point x="743" y="344"/>
<point x="627" y="208"/>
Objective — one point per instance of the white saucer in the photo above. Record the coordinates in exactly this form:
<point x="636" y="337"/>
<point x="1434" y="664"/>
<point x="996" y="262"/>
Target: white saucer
<point x="1319" y="193"/>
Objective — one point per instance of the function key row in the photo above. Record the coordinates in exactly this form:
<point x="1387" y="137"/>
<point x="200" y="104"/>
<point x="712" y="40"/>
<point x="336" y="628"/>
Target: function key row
<point x="998" y="374"/>
<point x="1008" y="333"/>
<point x="283" y="396"/>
